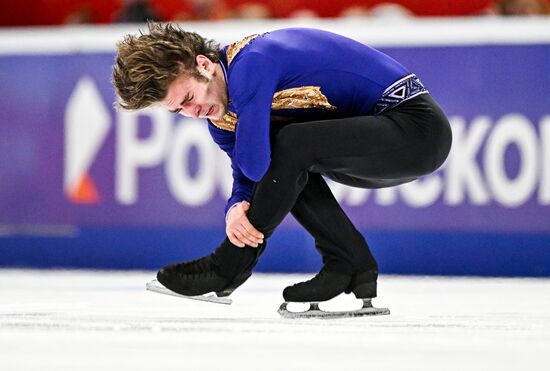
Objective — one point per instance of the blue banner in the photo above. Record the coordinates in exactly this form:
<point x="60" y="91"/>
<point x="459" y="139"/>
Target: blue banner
<point x="83" y="185"/>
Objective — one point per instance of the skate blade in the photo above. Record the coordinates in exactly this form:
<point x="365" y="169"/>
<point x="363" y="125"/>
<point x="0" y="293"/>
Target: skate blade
<point x="156" y="286"/>
<point x="315" y="312"/>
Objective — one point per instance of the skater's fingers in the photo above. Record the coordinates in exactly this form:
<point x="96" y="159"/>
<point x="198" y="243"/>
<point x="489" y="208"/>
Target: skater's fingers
<point x="251" y="230"/>
<point x="234" y="240"/>
<point x="240" y="231"/>
<point x="246" y="237"/>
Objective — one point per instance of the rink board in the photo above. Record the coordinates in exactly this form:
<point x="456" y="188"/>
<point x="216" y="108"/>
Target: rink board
<point x="400" y="252"/>
<point x="86" y="186"/>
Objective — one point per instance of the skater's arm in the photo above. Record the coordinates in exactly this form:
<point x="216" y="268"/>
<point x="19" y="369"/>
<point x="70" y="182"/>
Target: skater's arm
<point x="252" y="84"/>
<point x="241" y="190"/>
<point x="238" y="228"/>
<point x="242" y="186"/>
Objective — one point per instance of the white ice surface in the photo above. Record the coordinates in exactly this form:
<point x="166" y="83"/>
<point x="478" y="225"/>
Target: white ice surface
<point x="80" y="320"/>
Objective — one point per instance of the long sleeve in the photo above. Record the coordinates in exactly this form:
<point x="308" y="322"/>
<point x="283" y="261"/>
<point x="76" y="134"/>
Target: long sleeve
<point x="256" y="77"/>
<point x="242" y="186"/>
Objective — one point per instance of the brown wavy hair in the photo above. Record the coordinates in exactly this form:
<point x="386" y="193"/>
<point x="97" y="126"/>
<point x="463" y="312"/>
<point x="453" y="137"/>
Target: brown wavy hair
<point x="147" y="63"/>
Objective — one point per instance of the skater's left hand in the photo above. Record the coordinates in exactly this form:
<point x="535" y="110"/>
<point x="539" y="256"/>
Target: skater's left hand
<point x="238" y="228"/>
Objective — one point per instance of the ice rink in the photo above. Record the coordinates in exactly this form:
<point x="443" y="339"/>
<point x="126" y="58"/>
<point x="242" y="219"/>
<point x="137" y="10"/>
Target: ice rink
<point x="81" y="320"/>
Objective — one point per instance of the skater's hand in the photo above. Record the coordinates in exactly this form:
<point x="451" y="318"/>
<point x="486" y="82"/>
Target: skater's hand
<point x="238" y="228"/>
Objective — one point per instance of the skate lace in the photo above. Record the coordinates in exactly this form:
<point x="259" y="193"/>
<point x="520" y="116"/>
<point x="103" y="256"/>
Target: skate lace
<point x="199" y="268"/>
<point x="317" y="277"/>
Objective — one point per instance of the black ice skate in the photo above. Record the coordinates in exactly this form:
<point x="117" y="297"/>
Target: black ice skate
<point x="327" y="285"/>
<point x="195" y="278"/>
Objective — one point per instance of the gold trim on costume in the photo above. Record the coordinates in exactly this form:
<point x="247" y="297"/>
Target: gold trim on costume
<point x="235" y="48"/>
<point x="227" y="122"/>
<point x="301" y="97"/>
<point x="293" y="98"/>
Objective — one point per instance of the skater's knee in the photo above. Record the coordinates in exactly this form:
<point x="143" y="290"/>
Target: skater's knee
<point x="438" y="156"/>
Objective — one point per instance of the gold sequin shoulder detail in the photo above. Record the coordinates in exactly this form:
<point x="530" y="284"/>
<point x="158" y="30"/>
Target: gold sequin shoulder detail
<point x="236" y="47"/>
<point x="293" y="98"/>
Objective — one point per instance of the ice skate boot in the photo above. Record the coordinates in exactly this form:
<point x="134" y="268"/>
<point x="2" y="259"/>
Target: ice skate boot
<point x="327" y="285"/>
<point x="198" y="277"/>
<point x="363" y="285"/>
<point x="324" y="286"/>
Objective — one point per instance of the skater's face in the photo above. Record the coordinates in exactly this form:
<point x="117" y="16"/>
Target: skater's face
<point x="202" y="96"/>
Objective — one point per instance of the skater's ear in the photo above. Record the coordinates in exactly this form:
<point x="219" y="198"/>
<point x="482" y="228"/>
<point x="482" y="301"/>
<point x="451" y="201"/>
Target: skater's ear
<point x="205" y="66"/>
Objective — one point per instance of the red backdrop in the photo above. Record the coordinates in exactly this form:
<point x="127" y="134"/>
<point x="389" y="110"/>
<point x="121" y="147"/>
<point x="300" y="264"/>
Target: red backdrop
<point x="52" y="12"/>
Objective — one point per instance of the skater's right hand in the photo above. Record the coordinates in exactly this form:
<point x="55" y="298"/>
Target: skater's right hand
<point x="238" y="228"/>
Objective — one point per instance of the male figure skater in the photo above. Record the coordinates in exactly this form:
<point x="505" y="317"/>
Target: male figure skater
<point x="288" y="107"/>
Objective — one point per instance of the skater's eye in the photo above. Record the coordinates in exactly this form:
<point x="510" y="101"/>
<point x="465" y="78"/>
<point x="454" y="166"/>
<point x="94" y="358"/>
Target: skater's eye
<point x="188" y="98"/>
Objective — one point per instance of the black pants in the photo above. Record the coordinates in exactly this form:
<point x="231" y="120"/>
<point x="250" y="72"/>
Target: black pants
<point x="393" y="148"/>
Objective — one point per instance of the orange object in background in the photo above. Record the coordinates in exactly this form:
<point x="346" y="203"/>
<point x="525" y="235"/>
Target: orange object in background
<point x="85" y="191"/>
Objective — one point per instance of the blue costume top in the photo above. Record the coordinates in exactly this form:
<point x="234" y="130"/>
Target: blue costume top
<point x="293" y="74"/>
